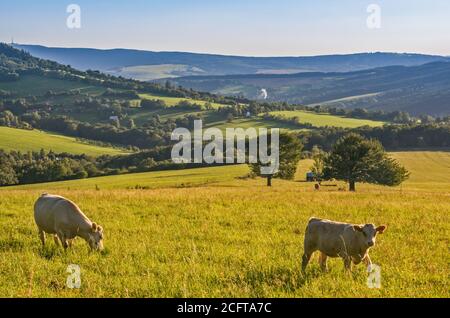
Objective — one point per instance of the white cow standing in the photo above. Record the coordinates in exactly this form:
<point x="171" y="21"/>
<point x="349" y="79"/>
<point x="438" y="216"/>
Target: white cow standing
<point x="351" y="242"/>
<point x="61" y="217"/>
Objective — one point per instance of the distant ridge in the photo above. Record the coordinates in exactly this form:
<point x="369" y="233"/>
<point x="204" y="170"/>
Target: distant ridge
<point x="421" y="89"/>
<point x="147" y="65"/>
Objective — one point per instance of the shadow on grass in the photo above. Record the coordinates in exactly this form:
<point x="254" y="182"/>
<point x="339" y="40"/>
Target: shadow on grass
<point x="283" y="278"/>
<point x="50" y="251"/>
<point x="11" y="245"/>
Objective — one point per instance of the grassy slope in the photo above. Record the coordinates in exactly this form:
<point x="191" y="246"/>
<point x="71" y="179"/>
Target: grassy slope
<point x="157" y="179"/>
<point x="35" y="140"/>
<point x="172" y="101"/>
<point x="244" y="123"/>
<point x="141" y="116"/>
<point x="39" y="85"/>
<point x="232" y="238"/>
<point x="321" y="120"/>
<point x="430" y="170"/>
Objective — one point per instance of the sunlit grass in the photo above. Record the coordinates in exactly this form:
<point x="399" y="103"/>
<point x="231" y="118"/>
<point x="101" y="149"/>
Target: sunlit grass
<point x="35" y="140"/>
<point x="226" y="238"/>
<point x="321" y="120"/>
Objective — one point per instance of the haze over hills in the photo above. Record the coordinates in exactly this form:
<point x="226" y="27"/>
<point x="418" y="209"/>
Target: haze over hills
<point x="148" y="65"/>
<point x="423" y="89"/>
<point x="415" y="83"/>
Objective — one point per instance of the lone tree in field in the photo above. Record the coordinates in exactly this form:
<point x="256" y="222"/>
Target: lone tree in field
<point x="318" y="156"/>
<point x="356" y="159"/>
<point x="290" y="151"/>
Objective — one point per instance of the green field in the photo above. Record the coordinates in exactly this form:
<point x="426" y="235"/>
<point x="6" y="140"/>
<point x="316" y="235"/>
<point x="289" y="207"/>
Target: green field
<point x="35" y="140"/>
<point x="244" y="123"/>
<point x="218" y="236"/>
<point x="172" y="101"/>
<point x="346" y="101"/>
<point x="153" y="180"/>
<point x="212" y="119"/>
<point x="321" y="120"/>
<point x="39" y="85"/>
<point x="140" y="116"/>
<point x="430" y="169"/>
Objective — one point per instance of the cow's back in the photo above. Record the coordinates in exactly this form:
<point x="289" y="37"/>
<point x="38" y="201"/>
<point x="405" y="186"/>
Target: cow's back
<point x="52" y="211"/>
<point x="326" y="236"/>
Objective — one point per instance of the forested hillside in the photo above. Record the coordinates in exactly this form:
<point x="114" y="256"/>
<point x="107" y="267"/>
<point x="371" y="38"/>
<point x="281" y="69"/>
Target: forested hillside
<point x="125" y="125"/>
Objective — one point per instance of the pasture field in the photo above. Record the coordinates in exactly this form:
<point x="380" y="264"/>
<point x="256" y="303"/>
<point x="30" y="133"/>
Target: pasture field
<point x="35" y="140"/>
<point x="230" y="237"/>
<point x="321" y="120"/>
<point x="253" y="122"/>
<point x="29" y="85"/>
<point x="172" y="101"/>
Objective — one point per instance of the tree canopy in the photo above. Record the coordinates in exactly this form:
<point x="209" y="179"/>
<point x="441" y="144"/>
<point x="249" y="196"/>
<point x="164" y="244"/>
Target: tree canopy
<point x="289" y="155"/>
<point x="356" y="159"/>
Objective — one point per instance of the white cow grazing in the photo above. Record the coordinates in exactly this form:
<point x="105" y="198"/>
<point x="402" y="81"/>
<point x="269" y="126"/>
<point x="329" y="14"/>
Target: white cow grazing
<point x="63" y="218"/>
<point x="335" y="239"/>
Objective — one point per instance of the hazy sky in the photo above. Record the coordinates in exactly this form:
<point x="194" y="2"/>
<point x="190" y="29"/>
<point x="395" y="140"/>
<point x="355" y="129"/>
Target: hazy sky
<point x="243" y="27"/>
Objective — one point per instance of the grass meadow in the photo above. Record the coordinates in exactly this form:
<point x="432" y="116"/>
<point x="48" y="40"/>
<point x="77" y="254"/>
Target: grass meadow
<point x="172" y="101"/>
<point x="322" y="120"/>
<point x="29" y="85"/>
<point x="209" y="233"/>
<point x="35" y="140"/>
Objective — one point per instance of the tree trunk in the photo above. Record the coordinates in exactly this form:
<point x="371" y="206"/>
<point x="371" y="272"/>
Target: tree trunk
<point x="269" y="180"/>
<point x="352" y="186"/>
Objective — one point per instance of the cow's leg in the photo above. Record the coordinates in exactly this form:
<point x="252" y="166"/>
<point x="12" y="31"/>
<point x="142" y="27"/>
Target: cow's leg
<point x="305" y="260"/>
<point x="55" y="238"/>
<point x="323" y="261"/>
<point x="368" y="261"/>
<point x="63" y="239"/>
<point x="348" y="263"/>
<point x="42" y="236"/>
<point x="309" y="250"/>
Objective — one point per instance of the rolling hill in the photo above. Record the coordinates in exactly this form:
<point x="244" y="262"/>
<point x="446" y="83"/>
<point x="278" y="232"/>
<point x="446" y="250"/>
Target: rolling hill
<point x="35" y="140"/>
<point x="322" y="120"/>
<point x="148" y="180"/>
<point x="375" y="81"/>
<point x="29" y="85"/>
<point x="436" y="178"/>
<point x="423" y="89"/>
<point x="147" y="65"/>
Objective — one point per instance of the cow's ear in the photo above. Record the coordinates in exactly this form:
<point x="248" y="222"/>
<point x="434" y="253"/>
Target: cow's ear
<point x="358" y="228"/>
<point x="94" y="226"/>
<point x="381" y="229"/>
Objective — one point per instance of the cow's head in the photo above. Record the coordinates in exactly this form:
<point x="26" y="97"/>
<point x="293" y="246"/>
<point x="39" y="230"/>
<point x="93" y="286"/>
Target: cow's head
<point x="96" y="237"/>
<point x="369" y="231"/>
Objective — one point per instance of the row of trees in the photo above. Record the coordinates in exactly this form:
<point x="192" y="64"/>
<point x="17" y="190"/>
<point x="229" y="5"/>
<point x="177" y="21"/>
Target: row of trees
<point x="145" y="138"/>
<point x="32" y="167"/>
<point x="42" y="166"/>
<point x="391" y="136"/>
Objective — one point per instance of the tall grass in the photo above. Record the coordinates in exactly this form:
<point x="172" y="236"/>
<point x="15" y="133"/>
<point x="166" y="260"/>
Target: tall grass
<point x="229" y="238"/>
